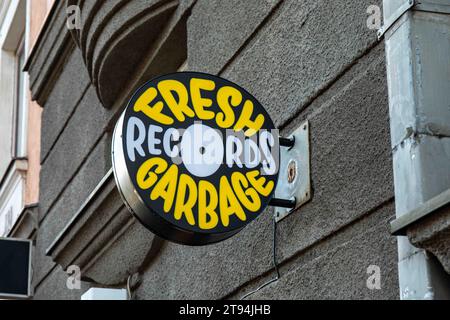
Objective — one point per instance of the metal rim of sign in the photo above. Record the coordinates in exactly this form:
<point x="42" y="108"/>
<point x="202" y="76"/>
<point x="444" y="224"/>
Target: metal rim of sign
<point x="154" y="219"/>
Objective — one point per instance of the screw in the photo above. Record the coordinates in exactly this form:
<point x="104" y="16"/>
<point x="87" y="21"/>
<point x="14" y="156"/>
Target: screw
<point x="292" y="171"/>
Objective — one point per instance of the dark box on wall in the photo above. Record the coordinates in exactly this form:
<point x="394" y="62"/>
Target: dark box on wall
<point x="15" y="268"/>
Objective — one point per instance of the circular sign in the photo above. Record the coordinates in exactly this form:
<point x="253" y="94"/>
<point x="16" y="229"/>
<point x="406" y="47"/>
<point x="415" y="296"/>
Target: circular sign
<point x="195" y="157"/>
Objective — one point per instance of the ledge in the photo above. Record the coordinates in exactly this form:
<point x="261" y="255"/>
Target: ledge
<point x="428" y="227"/>
<point x="400" y="225"/>
<point x="26" y="225"/>
<point x="53" y="45"/>
<point x="99" y="236"/>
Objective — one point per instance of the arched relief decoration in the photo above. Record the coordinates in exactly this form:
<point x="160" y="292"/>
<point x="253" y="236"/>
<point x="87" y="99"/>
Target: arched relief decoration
<point x="124" y="39"/>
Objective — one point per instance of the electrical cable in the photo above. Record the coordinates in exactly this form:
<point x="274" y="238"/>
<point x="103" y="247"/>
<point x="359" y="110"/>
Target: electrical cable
<point x="275" y="263"/>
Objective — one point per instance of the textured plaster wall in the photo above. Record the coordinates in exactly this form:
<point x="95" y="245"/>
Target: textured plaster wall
<point x="312" y="60"/>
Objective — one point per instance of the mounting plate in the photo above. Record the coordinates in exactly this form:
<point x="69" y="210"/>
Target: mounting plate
<point x="295" y="177"/>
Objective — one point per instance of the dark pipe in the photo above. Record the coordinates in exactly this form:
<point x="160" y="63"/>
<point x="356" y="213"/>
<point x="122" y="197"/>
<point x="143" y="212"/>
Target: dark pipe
<point x="287" y="142"/>
<point x="282" y="203"/>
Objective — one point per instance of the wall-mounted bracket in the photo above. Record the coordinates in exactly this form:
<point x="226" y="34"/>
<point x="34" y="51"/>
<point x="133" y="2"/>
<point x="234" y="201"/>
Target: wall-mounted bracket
<point x="435" y="6"/>
<point x="294" y="182"/>
<point x="389" y="22"/>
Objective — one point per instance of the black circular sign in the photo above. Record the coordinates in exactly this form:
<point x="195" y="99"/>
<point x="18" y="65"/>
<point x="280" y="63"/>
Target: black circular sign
<point x="195" y="157"/>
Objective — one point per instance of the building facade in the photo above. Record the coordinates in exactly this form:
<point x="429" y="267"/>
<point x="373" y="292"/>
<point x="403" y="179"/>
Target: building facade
<point x="320" y="61"/>
<point x="20" y="22"/>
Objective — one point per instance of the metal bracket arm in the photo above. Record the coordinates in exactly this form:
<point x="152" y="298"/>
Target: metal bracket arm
<point x="294" y="187"/>
<point x="395" y="17"/>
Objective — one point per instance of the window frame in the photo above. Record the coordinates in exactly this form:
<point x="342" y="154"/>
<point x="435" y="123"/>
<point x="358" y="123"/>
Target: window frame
<point x="20" y="117"/>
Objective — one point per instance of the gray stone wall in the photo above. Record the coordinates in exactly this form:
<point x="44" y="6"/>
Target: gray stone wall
<point x="314" y="60"/>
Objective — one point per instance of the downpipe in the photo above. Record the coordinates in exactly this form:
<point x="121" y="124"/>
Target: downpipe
<point x="417" y="41"/>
